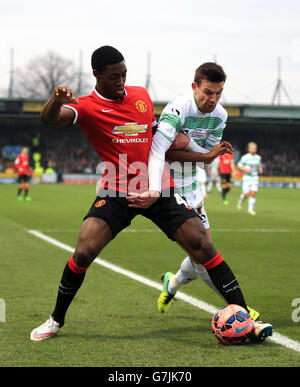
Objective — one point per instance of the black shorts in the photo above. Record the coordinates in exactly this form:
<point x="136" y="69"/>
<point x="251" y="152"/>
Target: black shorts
<point x="168" y="213"/>
<point x="226" y="178"/>
<point x="23" y="179"/>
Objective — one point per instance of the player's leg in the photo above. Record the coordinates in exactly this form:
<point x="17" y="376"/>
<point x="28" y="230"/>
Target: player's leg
<point x="26" y="191"/>
<point x="210" y="184"/>
<point x="252" y="200"/>
<point x="105" y="219"/>
<point x="244" y="195"/>
<point x="94" y="235"/>
<point x="191" y="236"/>
<point x="185" y="227"/>
<point x="218" y="184"/>
<point x="20" y="188"/>
<point x="188" y="271"/>
<point x="224" y="188"/>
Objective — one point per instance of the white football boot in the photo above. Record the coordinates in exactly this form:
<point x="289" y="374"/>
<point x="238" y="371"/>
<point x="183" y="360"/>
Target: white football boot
<point x="261" y="331"/>
<point x="45" y="331"/>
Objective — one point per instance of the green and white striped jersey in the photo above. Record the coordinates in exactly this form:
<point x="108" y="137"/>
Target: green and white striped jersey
<point x="182" y="114"/>
<point x="253" y="162"/>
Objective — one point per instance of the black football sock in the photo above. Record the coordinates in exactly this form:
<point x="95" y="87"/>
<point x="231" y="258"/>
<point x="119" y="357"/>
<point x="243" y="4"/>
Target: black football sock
<point x="70" y="283"/>
<point x="19" y="191"/>
<point x="224" y="193"/>
<point x="225" y="281"/>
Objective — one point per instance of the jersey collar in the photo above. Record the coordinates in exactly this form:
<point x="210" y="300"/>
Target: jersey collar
<point x="107" y="99"/>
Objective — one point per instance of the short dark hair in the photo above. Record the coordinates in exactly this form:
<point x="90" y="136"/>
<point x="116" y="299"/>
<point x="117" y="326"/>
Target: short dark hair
<point x="105" y="55"/>
<point x="210" y="71"/>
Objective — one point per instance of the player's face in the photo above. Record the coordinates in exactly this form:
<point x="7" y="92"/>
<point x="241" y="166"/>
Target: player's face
<point x="207" y="94"/>
<point x="25" y="151"/>
<point x="252" y="148"/>
<point x="111" y="81"/>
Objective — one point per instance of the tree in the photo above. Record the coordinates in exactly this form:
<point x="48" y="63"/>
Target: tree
<point x="43" y="73"/>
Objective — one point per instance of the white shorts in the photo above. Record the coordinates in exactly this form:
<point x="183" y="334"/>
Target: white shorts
<point x="248" y="186"/>
<point x="201" y="175"/>
<point x="195" y="199"/>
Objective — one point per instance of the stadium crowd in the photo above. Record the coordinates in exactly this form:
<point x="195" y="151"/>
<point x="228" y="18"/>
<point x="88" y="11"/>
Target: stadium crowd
<point x="68" y="150"/>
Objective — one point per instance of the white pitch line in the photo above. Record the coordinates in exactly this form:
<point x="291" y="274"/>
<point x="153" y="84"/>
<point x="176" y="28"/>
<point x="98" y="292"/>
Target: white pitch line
<point x="276" y="338"/>
<point x="150" y="230"/>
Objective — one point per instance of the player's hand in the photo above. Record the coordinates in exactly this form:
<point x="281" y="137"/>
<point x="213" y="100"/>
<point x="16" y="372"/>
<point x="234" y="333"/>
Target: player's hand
<point x="64" y="94"/>
<point x="143" y="200"/>
<point x="221" y="149"/>
<point x="180" y="142"/>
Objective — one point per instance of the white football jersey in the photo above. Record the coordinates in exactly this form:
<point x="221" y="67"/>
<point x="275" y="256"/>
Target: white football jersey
<point x="182" y="115"/>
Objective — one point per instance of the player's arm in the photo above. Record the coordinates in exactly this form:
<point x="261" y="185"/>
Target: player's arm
<point x="54" y="113"/>
<point x="242" y="168"/>
<point x="233" y="168"/>
<point x="203" y="155"/>
<point x="190" y="151"/>
<point x="17" y="162"/>
<point x="217" y="167"/>
<point x="260" y="168"/>
<point x="156" y="164"/>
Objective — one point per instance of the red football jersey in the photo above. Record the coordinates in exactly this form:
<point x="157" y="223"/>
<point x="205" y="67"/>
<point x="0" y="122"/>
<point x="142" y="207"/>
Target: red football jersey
<point x="120" y="131"/>
<point x="22" y="165"/>
<point x="225" y="163"/>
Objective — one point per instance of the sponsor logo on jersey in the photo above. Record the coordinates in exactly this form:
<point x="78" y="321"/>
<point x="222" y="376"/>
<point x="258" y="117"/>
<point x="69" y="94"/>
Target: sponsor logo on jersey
<point x="129" y="140"/>
<point x="141" y="106"/>
<point x="130" y="129"/>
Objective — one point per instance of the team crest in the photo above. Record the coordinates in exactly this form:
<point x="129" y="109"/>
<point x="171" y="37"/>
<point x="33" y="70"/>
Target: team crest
<point x="100" y="203"/>
<point x="141" y="106"/>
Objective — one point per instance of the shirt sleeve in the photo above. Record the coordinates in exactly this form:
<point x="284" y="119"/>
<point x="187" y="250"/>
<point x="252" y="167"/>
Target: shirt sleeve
<point x="156" y="162"/>
<point x="241" y="162"/>
<point x="17" y="161"/>
<point x="75" y="108"/>
<point x="194" y="147"/>
<point x="171" y="121"/>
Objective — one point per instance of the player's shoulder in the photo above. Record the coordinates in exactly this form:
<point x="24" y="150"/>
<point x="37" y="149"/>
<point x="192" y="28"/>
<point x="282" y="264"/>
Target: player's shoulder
<point x="83" y="100"/>
<point x="247" y="156"/>
<point x="86" y="99"/>
<point x="138" y="91"/>
<point x="183" y="100"/>
<point x="181" y="105"/>
<point x="220" y="112"/>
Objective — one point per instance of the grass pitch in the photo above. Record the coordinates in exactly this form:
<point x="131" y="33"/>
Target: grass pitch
<point x="113" y="321"/>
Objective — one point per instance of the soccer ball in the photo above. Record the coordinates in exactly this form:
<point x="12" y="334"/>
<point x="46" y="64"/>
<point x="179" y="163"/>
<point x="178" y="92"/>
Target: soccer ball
<point x="232" y="324"/>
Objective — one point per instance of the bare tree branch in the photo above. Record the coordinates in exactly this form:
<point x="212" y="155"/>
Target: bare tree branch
<point x="43" y="73"/>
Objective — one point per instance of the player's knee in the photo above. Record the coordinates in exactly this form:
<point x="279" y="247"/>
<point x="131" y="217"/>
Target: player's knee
<point x="84" y="257"/>
<point x="202" y="249"/>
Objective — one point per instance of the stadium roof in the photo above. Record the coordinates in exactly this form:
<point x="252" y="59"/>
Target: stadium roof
<point x="22" y="107"/>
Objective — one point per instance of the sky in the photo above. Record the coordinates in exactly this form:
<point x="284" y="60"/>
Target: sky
<point x="245" y="37"/>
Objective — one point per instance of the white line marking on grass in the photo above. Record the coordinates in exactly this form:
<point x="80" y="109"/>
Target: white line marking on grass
<point x="276" y="338"/>
<point x="150" y="230"/>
